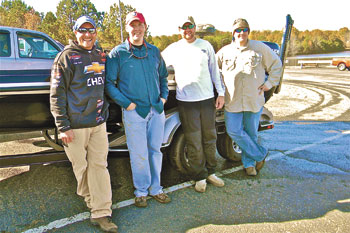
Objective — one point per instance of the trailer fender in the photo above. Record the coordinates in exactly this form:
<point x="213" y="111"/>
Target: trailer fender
<point x="172" y="123"/>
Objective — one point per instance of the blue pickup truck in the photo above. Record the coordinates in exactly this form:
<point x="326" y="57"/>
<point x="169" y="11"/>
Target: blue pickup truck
<point x="26" y="57"/>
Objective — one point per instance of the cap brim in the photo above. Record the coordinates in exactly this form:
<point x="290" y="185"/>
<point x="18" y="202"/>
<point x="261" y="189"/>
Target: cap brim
<point x="185" y="23"/>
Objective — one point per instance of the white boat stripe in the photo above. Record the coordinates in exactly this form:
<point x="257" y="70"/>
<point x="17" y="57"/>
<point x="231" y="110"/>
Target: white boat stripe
<point x="30" y="84"/>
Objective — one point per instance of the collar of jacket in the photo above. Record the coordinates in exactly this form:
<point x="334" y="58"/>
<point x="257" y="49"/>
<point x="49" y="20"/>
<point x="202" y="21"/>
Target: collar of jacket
<point x="238" y="47"/>
<point x="128" y="44"/>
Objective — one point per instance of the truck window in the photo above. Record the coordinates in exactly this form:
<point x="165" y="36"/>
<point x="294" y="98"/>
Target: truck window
<point x="5" y="45"/>
<point x="35" y="46"/>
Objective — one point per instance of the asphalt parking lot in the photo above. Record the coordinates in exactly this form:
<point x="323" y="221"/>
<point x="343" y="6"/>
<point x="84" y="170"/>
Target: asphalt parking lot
<point x="304" y="186"/>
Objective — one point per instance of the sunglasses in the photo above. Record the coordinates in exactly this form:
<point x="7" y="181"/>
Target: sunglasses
<point x="187" y="26"/>
<point x="238" y="30"/>
<point x="85" y="30"/>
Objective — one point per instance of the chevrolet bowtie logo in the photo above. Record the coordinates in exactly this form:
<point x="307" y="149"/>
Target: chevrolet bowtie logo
<point x="96" y="67"/>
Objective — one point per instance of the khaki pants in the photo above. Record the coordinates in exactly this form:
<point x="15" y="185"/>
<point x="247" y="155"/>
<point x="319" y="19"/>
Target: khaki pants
<point x="88" y="155"/>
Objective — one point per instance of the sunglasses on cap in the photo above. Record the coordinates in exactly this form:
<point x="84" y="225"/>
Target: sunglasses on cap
<point x="238" y="30"/>
<point x="85" y="30"/>
<point x="187" y="26"/>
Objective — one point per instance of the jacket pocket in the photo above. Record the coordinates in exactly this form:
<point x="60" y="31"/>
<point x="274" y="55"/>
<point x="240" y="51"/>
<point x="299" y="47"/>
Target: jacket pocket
<point x="90" y="107"/>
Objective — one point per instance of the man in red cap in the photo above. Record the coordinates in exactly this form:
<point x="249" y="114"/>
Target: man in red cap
<point x="142" y="89"/>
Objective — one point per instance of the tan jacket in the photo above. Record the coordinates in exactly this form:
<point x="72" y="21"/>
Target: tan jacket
<point x="243" y="70"/>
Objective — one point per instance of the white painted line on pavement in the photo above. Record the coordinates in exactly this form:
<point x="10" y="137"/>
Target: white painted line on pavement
<point x="229" y="171"/>
<point x="86" y="215"/>
<point x="279" y="154"/>
<point x="166" y="190"/>
<point x="61" y="223"/>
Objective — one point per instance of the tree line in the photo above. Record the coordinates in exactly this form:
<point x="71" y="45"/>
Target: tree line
<point x="58" y="25"/>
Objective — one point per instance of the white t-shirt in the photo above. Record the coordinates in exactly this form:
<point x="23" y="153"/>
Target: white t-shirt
<point x="195" y="68"/>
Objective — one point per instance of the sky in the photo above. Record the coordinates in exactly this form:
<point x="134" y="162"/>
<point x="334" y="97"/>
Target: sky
<point x="164" y="16"/>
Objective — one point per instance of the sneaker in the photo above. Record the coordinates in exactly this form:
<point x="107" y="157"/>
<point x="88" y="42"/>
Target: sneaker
<point x="216" y="181"/>
<point x="162" y="198"/>
<point x="200" y="186"/>
<point x="105" y="223"/>
<point x="250" y="171"/>
<point x="141" y="201"/>
<point x="260" y="165"/>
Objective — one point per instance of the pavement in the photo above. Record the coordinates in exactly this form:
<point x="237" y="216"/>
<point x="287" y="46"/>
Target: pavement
<point x="304" y="187"/>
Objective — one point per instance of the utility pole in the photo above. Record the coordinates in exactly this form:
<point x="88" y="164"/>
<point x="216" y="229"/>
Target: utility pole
<point x="121" y="23"/>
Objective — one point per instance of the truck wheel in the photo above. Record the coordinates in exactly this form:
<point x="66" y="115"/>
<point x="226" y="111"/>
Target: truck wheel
<point x="178" y="153"/>
<point x="227" y="148"/>
<point x="341" y="66"/>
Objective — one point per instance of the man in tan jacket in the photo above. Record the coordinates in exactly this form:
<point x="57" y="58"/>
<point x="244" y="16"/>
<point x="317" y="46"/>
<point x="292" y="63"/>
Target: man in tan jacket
<point x="243" y="64"/>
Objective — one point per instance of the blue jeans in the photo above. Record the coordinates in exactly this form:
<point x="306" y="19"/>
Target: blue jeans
<point x="144" y="138"/>
<point x="243" y="127"/>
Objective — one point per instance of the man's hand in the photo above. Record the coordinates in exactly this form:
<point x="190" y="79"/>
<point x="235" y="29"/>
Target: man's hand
<point x="67" y="137"/>
<point x="132" y="106"/>
<point x="220" y="101"/>
<point x="262" y="89"/>
<point x="163" y="100"/>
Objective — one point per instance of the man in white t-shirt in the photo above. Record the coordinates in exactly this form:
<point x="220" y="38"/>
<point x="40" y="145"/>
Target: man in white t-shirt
<point x="196" y="74"/>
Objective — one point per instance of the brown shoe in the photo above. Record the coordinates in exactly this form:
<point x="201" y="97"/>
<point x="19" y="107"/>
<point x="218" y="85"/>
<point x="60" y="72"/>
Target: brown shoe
<point x="250" y="171"/>
<point x="141" y="201"/>
<point x="260" y="165"/>
<point x="105" y="223"/>
<point x="162" y="198"/>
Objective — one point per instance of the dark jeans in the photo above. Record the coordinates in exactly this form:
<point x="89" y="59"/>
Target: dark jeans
<point x="198" y="124"/>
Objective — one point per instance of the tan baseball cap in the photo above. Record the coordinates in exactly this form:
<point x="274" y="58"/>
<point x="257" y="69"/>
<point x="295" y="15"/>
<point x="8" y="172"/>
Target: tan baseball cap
<point x="240" y="23"/>
<point x="188" y="19"/>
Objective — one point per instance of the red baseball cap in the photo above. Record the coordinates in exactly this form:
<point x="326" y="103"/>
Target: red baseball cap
<point x="132" y="16"/>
